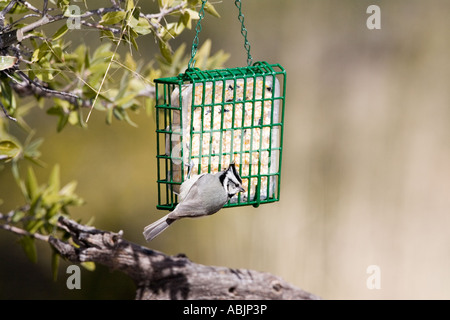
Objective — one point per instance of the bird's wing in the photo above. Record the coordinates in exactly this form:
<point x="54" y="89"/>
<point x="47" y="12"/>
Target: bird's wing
<point x="192" y="204"/>
<point x="187" y="185"/>
<point x="189" y="207"/>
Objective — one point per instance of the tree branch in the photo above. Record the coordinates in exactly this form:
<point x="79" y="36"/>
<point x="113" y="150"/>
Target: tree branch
<point x="159" y="276"/>
<point x="25" y="86"/>
<point x="22" y="232"/>
<point x="29" y="87"/>
<point x="5" y="112"/>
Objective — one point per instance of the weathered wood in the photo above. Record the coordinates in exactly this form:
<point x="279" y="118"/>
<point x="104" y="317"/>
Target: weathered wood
<point x="159" y="276"/>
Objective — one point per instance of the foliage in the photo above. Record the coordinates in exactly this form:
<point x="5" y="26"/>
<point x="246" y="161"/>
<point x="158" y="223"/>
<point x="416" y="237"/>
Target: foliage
<point x="41" y="68"/>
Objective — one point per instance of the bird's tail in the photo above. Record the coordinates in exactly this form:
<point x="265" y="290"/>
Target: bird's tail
<point x="154" y="229"/>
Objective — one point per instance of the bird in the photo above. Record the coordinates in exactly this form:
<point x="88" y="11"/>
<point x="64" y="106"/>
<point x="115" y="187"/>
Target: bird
<point x="200" y="195"/>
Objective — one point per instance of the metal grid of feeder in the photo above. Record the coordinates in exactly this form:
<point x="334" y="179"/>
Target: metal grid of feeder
<point x="208" y="119"/>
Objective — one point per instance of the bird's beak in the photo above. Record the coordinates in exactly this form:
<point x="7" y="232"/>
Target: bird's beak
<point x="241" y="189"/>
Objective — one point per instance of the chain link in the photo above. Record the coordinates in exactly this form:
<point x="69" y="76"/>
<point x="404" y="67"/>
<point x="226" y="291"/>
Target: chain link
<point x="198" y="28"/>
<point x="244" y="32"/>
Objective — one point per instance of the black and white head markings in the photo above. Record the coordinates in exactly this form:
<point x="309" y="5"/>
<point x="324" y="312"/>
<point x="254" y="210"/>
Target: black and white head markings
<point x="231" y="181"/>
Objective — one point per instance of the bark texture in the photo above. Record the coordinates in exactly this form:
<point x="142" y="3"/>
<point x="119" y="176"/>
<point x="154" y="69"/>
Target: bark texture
<point x="159" y="276"/>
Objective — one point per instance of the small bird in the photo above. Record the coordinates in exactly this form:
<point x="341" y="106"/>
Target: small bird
<point x="200" y="195"/>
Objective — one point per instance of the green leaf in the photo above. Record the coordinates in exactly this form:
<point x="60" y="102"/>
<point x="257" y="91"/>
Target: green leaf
<point x="19" y="181"/>
<point x="192" y="13"/>
<point x="61" y="109"/>
<point x="109" y="115"/>
<point x="7" y="97"/>
<point x="35" y="56"/>
<point x="16" y="9"/>
<point x="86" y="58"/>
<point x="62" y="121"/>
<point x="143" y="27"/>
<point x="42" y="51"/>
<point x="57" y="52"/>
<point x="113" y="17"/>
<point x="124" y="101"/>
<point x="127" y="118"/>
<point x="68" y="189"/>
<point x="29" y="247"/>
<point x="34" y="226"/>
<point x="32" y="185"/>
<point x="8" y="150"/>
<point x="166" y="3"/>
<point x="130" y="5"/>
<point x="186" y="19"/>
<point x="61" y="31"/>
<point x="148" y="106"/>
<point x="108" y="34"/>
<point x="118" y="113"/>
<point x="103" y="51"/>
<point x="53" y="220"/>
<point x="55" y="265"/>
<point x="129" y="62"/>
<point x="90" y="222"/>
<point x="203" y="54"/>
<point x="133" y="36"/>
<point x="62" y="3"/>
<point x="53" y="181"/>
<point x="165" y="51"/>
<point x="18" y="215"/>
<point x="7" y="62"/>
<point x="74" y="118"/>
<point x="172" y="30"/>
<point x="31" y="151"/>
<point x="133" y="18"/>
<point x="88" y="265"/>
<point x="211" y="10"/>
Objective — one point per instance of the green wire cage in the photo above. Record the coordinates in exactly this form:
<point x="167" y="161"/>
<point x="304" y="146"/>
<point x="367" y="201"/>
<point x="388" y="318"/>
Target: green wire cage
<point x="208" y="119"/>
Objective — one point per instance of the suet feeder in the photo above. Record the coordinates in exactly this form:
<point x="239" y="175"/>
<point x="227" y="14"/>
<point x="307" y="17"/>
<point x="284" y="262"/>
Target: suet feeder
<point x="208" y="119"/>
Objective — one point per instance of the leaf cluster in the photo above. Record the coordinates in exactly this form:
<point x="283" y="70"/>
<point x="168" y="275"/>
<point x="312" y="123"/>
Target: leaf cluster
<point x="81" y="79"/>
<point x="41" y="68"/>
<point x="44" y="204"/>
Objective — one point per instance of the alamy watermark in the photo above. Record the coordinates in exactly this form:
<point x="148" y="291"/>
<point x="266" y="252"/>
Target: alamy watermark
<point x="374" y="20"/>
<point x="374" y="279"/>
<point x="74" y="280"/>
<point x="73" y="14"/>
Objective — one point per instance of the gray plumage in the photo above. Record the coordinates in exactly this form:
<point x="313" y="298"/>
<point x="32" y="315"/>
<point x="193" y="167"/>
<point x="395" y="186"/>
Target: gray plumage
<point x="200" y="196"/>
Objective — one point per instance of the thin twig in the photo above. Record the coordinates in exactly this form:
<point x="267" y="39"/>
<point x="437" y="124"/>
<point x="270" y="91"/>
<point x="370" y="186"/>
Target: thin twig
<point x="100" y="27"/>
<point x="49" y="18"/>
<point x="45" y="9"/>
<point x="164" y="12"/>
<point x="5" y="10"/>
<point x="28" y="86"/>
<point x="23" y="232"/>
<point x="7" y="216"/>
<point x="106" y="72"/>
<point x="43" y="21"/>
<point x="6" y="113"/>
<point x="30" y="15"/>
<point x="30" y="6"/>
<point x="159" y="16"/>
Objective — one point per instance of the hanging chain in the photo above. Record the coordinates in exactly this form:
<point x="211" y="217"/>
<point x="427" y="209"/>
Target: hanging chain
<point x="198" y="28"/>
<point x="244" y="33"/>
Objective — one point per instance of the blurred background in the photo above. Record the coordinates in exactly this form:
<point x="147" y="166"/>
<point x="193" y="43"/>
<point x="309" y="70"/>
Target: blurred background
<point x="366" y="160"/>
